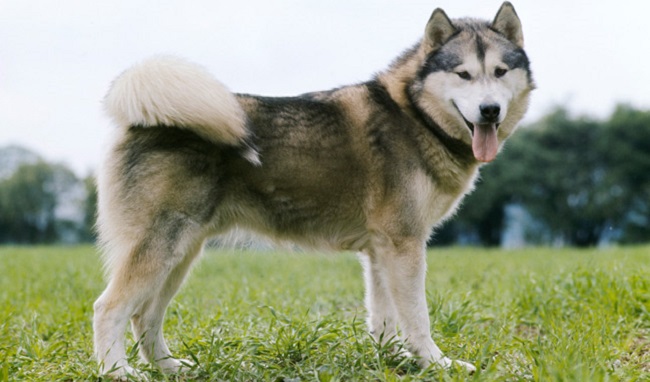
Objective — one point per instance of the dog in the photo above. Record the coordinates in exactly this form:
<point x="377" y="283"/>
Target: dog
<point x="371" y="168"/>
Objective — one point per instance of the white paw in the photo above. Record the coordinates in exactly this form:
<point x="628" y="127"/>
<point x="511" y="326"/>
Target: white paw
<point x="465" y="365"/>
<point x="125" y="373"/>
<point x="449" y="363"/>
<point x="174" y="365"/>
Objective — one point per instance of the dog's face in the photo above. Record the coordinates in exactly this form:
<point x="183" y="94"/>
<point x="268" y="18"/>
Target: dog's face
<point x="477" y="76"/>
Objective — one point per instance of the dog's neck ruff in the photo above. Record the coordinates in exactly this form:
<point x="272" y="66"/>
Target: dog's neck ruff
<point x="455" y="146"/>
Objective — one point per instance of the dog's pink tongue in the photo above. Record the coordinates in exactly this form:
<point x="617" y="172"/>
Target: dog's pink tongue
<point x="485" y="143"/>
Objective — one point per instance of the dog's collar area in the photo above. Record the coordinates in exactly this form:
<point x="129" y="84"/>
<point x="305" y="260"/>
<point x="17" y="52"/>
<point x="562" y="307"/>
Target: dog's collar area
<point x="454" y="145"/>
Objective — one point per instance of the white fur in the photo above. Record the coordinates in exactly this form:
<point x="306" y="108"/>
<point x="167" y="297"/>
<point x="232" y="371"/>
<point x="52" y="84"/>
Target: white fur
<point x="395" y="295"/>
<point x="170" y="91"/>
<point x="451" y="91"/>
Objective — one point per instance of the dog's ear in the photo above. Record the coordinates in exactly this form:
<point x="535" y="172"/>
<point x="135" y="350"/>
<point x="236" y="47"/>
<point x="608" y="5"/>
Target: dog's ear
<point x="507" y="23"/>
<point x="439" y="30"/>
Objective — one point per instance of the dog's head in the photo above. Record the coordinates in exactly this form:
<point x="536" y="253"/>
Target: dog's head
<point x="476" y="78"/>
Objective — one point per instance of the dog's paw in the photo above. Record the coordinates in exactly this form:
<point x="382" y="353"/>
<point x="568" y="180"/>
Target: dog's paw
<point x="471" y="369"/>
<point x="449" y="364"/>
<point x="175" y="366"/>
<point x="126" y="373"/>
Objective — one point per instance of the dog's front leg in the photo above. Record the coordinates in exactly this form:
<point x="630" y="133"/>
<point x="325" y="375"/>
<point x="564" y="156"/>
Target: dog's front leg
<point x="382" y="317"/>
<point x="406" y="270"/>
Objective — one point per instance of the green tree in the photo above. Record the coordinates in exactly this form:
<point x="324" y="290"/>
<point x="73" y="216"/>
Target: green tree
<point x="11" y="157"/>
<point x="87" y="231"/>
<point x="560" y="173"/>
<point x="28" y="202"/>
<point x="626" y="151"/>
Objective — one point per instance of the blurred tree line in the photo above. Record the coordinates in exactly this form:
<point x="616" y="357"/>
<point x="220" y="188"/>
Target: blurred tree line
<point x="43" y="202"/>
<point x="563" y="180"/>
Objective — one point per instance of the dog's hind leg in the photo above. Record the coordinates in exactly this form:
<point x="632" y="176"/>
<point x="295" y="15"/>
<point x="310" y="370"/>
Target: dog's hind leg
<point x="406" y="271"/>
<point x="110" y="317"/>
<point x="142" y="281"/>
<point x="147" y="323"/>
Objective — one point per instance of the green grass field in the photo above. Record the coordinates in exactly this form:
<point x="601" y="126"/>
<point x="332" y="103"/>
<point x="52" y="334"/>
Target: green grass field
<point x="538" y="315"/>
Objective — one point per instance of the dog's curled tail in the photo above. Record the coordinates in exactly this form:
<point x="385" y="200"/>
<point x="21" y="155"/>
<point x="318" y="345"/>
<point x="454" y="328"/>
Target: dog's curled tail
<point x="169" y="91"/>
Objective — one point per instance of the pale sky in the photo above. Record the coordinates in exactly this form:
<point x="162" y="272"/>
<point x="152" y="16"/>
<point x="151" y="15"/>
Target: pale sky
<point x="58" y="57"/>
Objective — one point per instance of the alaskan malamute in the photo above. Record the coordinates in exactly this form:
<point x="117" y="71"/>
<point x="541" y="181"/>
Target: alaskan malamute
<point x="371" y="168"/>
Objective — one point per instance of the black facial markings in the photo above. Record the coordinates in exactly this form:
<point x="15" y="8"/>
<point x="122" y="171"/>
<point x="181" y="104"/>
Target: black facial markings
<point x="480" y="50"/>
<point x="515" y="59"/>
<point x="442" y="60"/>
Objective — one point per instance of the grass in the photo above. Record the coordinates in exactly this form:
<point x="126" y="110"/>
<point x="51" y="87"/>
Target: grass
<point x="529" y="315"/>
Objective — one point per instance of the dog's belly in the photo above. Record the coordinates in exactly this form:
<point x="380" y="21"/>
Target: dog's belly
<point x="319" y="205"/>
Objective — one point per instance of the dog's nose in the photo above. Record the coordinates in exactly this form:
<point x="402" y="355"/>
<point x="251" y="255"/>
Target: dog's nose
<point x="490" y="111"/>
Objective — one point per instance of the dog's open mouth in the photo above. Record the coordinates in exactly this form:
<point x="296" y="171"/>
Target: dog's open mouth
<point x="485" y="143"/>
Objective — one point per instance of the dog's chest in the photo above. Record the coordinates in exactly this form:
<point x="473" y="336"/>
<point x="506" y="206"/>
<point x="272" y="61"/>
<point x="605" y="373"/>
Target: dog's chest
<point x="434" y="203"/>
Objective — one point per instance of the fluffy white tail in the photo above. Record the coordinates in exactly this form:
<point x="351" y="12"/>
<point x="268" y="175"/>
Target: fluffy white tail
<point x="168" y="91"/>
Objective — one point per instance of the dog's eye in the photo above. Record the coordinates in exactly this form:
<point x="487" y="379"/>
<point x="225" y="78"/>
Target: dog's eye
<point x="500" y="72"/>
<point x="464" y="75"/>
